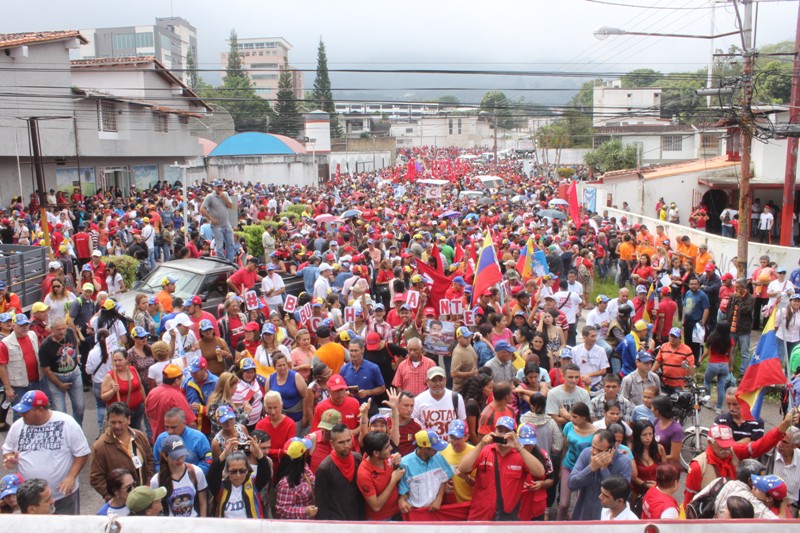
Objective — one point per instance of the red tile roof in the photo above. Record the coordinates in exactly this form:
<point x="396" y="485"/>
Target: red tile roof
<point x="101" y="61"/>
<point x="7" y="40"/>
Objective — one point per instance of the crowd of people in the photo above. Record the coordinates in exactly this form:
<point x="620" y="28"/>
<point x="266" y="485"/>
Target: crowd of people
<point x="419" y="371"/>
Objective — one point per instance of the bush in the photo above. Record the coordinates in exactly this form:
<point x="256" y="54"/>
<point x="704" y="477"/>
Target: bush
<point x="566" y="172"/>
<point x="252" y="235"/>
<point x="291" y="215"/>
<point x="126" y="265"/>
<point x="297" y="208"/>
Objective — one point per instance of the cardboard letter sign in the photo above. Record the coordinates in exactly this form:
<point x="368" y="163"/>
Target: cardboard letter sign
<point x="412" y="299"/>
<point x="251" y="299"/>
<point x="456" y="307"/>
<point x="291" y="304"/>
<point x="469" y="318"/>
<point x="444" y="307"/>
<point x="305" y="312"/>
<point x="350" y="314"/>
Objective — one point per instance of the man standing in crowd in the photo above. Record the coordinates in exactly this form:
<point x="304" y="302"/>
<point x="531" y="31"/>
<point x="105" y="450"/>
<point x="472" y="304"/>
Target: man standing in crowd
<point x="590" y="358"/>
<point x="34" y="496"/>
<point x="216" y="207"/>
<point x="166" y="396"/>
<point x="594" y="465"/>
<point x="676" y="361"/>
<point x="198" y="450"/>
<point x="695" y="315"/>
<point x="336" y="491"/>
<point x="19" y="364"/>
<point x="561" y="399"/>
<point x="427" y="474"/>
<point x="412" y="372"/>
<point x="438" y="406"/>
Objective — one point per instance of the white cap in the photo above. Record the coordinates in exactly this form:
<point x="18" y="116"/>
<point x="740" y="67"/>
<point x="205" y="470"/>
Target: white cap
<point x="182" y="319"/>
<point x="324" y="267"/>
<point x="54" y="265"/>
<point x="346" y="257"/>
<point x="97" y="253"/>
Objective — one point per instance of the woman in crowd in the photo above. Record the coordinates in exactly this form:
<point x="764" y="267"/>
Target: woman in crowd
<point x="269" y="349"/>
<point x="643" y="273"/>
<point x="302" y="356"/>
<point x="222" y="396"/>
<point x="119" y="483"/>
<point x="213" y="348"/>
<point x="476" y="391"/>
<point x="161" y="354"/>
<point x="231" y="324"/>
<point x="317" y="390"/>
<point x="140" y="356"/>
<point x="114" y="281"/>
<point x="185" y="483"/>
<point x="719" y="351"/>
<point x="236" y="488"/>
<point x="556" y="339"/>
<point x="122" y="384"/>
<point x="499" y="329"/>
<point x="295" y="489"/>
<point x="249" y="392"/>
<point x="291" y="386"/>
<point x="530" y="385"/>
<point x="578" y="435"/>
<point x="787" y="324"/>
<point x="538" y="347"/>
<point x="533" y="504"/>
<point x="59" y="299"/>
<point x="111" y="320"/>
<point x="659" y="502"/>
<point x="276" y="424"/>
<point x="98" y="365"/>
<point x="669" y="433"/>
<point x="647" y="456"/>
<point x="229" y="429"/>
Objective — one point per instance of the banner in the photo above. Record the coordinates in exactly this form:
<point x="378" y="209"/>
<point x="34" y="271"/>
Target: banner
<point x="439" y="337"/>
<point x="590" y="199"/>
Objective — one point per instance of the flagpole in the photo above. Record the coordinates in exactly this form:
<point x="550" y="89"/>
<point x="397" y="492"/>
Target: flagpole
<point x="782" y="306"/>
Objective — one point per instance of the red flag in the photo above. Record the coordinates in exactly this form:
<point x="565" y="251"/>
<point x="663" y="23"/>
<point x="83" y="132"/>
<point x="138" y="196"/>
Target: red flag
<point x="459" y="253"/>
<point x="437" y="256"/>
<point x="453" y="512"/>
<point x="574" y="207"/>
<point x="411" y="171"/>
<point x="440" y="284"/>
<point x="487" y="270"/>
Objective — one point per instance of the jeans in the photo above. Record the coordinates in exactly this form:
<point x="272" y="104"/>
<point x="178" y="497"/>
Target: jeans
<point x="69" y="505"/>
<point x="720" y="371"/>
<point x="101" y="407"/>
<point x="223" y="242"/>
<point x="20" y="392"/>
<point x="151" y="257"/>
<point x="75" y="393"/>
<point x="743" y="340"/>
<point x="165" y="252"/>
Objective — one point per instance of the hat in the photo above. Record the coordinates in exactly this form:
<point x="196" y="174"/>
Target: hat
<point x="722" y="435"/>
<point x="141" y="498"/>
<point x="526" y="435"/>
<point x="503" y="346"/>
<point x="373" y="340"/>
<point x="152" y="300"/>
<point x="174" y="447"/>
<point x="779" y="270"/>
<point x="6" y="317"/>
<point x="427" y="438"/>
<point x="205" y="325"/>
<point x="139" y="332"/>
<point x="194" y="300"/>
<point x="251" y="326"/>
<point x="316" y="302"/>
<point x="39" y="307"/>
<point x="379" y="307"/>
<point x="429" y="311"/>
<point x="640" y="325"/>
<point x="9" y="485"/>
<point x="225" y="413"/>
<point x="86" y="287"/>
<point x="324" y="267"/>
<point x="566" y="352"/>
<point x="330" y="418"/>
<point x="271" y="266"/>
<point x="109" y="304"/>
<point x="182" y="319"/>
<point x="198" y="363"/>
<point x="457" y="429"/>
<point x="169" y="278"/>
<point x="436" y="371"/>
<point x="54" y="265"/>
<point x="87" y="268"/>
<point x="269" y="328"/>
<point x="727" y="276"/>
<point x="602" y="298"/>
<point x="21" y="320"/>
<point x="416" y="278"/>
<point x="665" y="290"/>
<point x="641" y="289"/>
<point x="459" y="280"/>
<point x="344" y="336"/>
<point x="772" y="485"/>
<point x="297" y="447"/>
<point x="506" y="422"/>
<point x="377" y="418"/>
<point x="644" y="356"/>
<point x="463" y="331"/>
<point x="710" y="267"/>
<point x="336" y="382"/>
<point x="172" y="371"/>
<point x="97" y="253"/>
<point x="247" y="364"/>
<point x="253" y="259"/>
<point x="31" y="399"/>
<point x="795" y="296"/>
<point x="399" y="297"/>
<point x="675" y="332"/>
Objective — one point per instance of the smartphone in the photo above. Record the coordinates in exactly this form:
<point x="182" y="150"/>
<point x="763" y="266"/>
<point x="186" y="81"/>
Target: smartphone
<point x="498" y="439"/>
<point x="353" y="390"/>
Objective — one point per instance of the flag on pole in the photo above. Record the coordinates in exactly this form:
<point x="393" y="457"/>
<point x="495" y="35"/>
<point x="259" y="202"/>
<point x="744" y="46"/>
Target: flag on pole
<point x="652" y="296"/>
<point x="487" y="269"/>
<point x="764" y="370"/>
<point x="525" y="261"/>
<point x="574" y="207"/>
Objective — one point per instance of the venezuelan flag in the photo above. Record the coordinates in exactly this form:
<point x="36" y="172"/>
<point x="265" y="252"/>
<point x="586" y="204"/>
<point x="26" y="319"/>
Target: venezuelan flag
<point x="651" y="296"/>
<point x="525" y="261"/>
<point x="487" y="269"/>
<point x="764" y="370"/>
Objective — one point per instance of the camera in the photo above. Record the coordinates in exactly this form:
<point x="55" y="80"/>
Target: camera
<point x="499" y="439"/>
<point x="243" y="447"/>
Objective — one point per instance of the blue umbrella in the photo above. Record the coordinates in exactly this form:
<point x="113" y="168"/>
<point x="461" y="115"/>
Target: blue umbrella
<point x="472" y="216"/>
<point x="450" y="214"/>
<point x="351" y="213"/>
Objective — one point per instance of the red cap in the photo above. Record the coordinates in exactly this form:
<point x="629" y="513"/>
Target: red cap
<point x="373" y="341"/>
<point x="709" y="267"/>
<point x="194" y="300"/>
<point x="399" y="297"/>
<point x="252" y="326"/>
<point x="727" y="276"/>
<point x="429" y="311"/>
<point x="665" y="290"/>
<point x="336" y="382"/>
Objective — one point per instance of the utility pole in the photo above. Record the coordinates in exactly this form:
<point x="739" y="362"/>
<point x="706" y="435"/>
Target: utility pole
<point x="495" y="138"/>
<point x="38" y="167"/>
<point x="791" y="148"/>
<point x="747" y="139"/>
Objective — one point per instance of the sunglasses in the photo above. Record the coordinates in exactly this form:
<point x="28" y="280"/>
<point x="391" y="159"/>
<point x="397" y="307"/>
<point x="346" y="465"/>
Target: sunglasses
<point x="130" y="486"/>
<point x="237" y="471"/>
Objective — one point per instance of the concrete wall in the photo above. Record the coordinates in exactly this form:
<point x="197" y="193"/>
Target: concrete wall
<point x="280" y="170"/>
<point x="610" y="102"/>
<point x="360" y="161"/>
<point x="569" y="156"/>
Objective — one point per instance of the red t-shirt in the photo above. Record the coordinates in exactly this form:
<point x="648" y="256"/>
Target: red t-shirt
<point x="725" y="294"/>
<point x="162" y="399"/>
<point x="655" y="503"/>
<point x="31" y="361"/>
<point x="512" y="476"/>
<point x="372" y="482"/>
<point x="204" y="315"/>
<point x="490" y="416"/>
<point x="82" y="248"/>
<point x="349" y="411"/>
<point x="279" y="434"/>
<point x="407" y="443"/>
<point x="666" y="314"/>
<point x="715" y="357"/>
<point x="236" y="329"/>
<point x="243" y="277"/>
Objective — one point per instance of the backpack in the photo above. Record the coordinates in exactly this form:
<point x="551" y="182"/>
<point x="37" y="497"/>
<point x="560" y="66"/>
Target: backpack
<point x="703" y="507"/>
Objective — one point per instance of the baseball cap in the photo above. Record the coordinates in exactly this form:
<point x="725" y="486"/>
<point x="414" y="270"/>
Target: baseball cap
<point x="109" y="304"/>
<point x="644" y="356"/>
<point x="6" y="317"/>
<point x="225" y="413"/>
<point x="601" y="298"/>
<point x="139" y="332"/>
<point x="97" y="253"/>
<point x="503" y="346"/>
<point x="436" y="371"/>
<point x="710" y="268"/>
<point x="205" y="325"/>
<point x="251" y="326"/>
<point x="182" y="319"/>
<point x="174" y="447"/>
<point x="373" y="340"/>
<point x="194" y="300"/>
<point x="566" y="352"/>
<point x="3" y="285"/>
<point x="459" y="280"/>
<point x="344" y="336"/>
<point x="675" y="332"/>
<point x="463" y="331"/>
<point x="330" y="418"/>
<point x="506" y="422"/>
<point x="457" y="429"/>
<point x="336" y="382"/>
<point x="427" y="438"/>
<point x="297" y="447"/>
<point x="726" y="276"/>
<point x="9" y="485"/>
<point x="399" y="297"/>
<point x="38" y="307"/>
<point x="722" y="435"/>
<point x="526" y="435"/>
<point x="54" y="265"/>
<point x="640" y="325"/>
<point x="377" y="418"/>
<point x="21" y="320"/>
<point x="772" y="485"/>
<point x="269" y="328"/>
<point x="31" y="399"/>
<point x="641" y="289"/>
<point x="88" y="287"/>
<point x="795" y="296"/>
<point x="271" y="266"/>
<point x="380" y="307"/>
<point x="253" y="259"/>
<point x="143" y="497"/>
<point x="247" y="364"/>
<point x="172" y="371"/>
<point x="779" y="270"/>
<point x="665" y="290"/>
<point x="429" y="311"/>
<point x="324" y="267"/>
<point x="416" y="278"/>
<point x="198" y="363"/>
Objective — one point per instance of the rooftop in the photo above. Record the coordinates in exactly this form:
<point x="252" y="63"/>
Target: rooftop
<point x="8" y="40"/>
<point x="643" y="128"/>
<point x="255" y="143"/>
<point x="673" y="169"/>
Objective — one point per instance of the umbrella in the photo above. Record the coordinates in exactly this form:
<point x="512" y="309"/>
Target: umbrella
<point x="558" y="201"/>
<point x="326" y="218"/>
<point x="506" y="192"/>
<point x="450" y="214"/>
<point x="519" y="198"/>
<point x="552" y="213"/>
<point x="471" y="216"/>
<point x="486" y="201"/>
<point x="351" y="213"/>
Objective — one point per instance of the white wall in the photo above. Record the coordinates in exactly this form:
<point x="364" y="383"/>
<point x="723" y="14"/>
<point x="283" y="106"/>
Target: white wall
<point x="610" y="102"/>
<point x="278" y="170"/>
<point x="366" y="161"/>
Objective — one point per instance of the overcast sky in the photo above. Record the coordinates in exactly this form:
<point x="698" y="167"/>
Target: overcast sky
<point x="547" y="35"/>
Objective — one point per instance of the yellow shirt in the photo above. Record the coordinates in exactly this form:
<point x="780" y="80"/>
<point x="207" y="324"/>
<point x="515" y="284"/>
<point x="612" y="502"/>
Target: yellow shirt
<point x="462" y="488"/>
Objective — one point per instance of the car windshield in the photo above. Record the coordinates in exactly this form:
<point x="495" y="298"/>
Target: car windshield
<point x="186" y="286"/>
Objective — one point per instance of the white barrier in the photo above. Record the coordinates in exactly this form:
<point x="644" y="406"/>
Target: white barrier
<point x="724" y="249"/>
<point x="97" y="524"/>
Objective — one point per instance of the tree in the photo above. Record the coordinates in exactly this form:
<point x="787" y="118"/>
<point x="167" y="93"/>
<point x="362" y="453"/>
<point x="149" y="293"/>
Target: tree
<point x="612" y="155"/>
<point x="553" y="137"/>
<point x="323" y="94"/>
<point x="679" y="98"/>
<point x="642" y="77"/>
<point x="287" y="117"/>
<point x="773" y="83"/>
<point x="496" y="104"/>
<point x="193" y="79"/>
<point x="448" y="101"/>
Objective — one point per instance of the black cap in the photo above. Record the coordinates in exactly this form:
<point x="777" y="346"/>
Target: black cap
<point x="253" y="259"/>
<point x="323" y="332"/>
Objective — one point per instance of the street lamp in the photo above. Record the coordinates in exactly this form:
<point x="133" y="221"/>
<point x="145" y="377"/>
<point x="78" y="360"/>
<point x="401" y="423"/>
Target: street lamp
<point x="603" y="32"/>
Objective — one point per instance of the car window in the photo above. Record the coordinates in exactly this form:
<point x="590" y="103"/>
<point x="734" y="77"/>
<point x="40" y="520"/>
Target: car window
<point x="187" y="284"/>
<point x="215" y="285"/>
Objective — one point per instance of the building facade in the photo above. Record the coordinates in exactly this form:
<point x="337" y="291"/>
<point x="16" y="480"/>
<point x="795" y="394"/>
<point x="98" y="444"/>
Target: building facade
<point x="264" y="59"/>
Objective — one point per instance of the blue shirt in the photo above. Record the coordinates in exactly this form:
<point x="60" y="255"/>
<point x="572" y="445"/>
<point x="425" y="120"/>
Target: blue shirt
<point x="694" y="303"/>
<point x="582" y="479"/>
<point x="640" y="412"/>
<point x="368" y="376"/>
<point x="485" y="353"/>
<point x="197" y="447"/>
<point x="427" y="475"/>
<point x="627" y="351"/>
<point x="193" y="395"/>
<point x="310" y="275"/>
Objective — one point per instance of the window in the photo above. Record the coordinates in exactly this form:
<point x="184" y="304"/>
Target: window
<point x="144" y="40"/>
<point x="106" y="116"/>
<point x="459" y="126"/>
<point x="450" y="126"/>
<point x="672" y="143"/>
<point x="710" y="141"/>
<point x="264" y="76"/>
<point x="123" y="41"/>
<point x="160" y="123"/>
<point x="409" y="130"/>
<point x="183" y="119"/>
